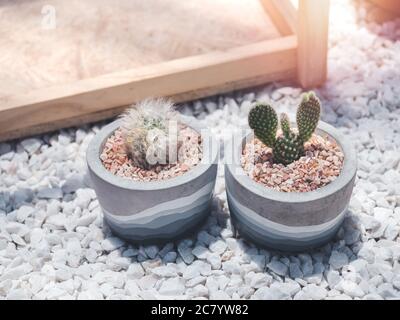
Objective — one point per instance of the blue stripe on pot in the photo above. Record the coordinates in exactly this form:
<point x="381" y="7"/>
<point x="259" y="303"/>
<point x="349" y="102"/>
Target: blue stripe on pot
<point x="271" y="234"/>
<point x="172" y="217"/>
<point x="163" y="228"/>
<point x="165" y="208"/>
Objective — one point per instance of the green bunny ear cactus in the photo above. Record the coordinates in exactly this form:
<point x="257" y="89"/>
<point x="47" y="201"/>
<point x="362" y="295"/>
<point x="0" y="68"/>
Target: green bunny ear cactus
<point x="288" y="147"/>
<point x="308" y="115"/>
<point x="264" y="121"/>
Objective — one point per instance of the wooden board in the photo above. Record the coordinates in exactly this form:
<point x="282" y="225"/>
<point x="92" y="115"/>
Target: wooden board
<point x="381" y="11"/>
<point x="91" y="38"/>
<point x="312" y="32"/>
<point x="282" y="14"/>
<point x="183" y="78"/>
<point x="392" y="6"/>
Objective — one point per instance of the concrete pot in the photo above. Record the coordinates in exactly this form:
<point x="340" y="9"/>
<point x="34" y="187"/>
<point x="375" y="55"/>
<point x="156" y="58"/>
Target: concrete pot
<point x="289" y="221"/>
<point x="156" y="211"/>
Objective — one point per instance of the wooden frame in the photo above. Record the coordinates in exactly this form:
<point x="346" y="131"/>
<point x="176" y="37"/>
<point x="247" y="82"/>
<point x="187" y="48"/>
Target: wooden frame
<point x="301" y="52"/>
<point x="392" y="6"/>
<point x="383" y="10"/>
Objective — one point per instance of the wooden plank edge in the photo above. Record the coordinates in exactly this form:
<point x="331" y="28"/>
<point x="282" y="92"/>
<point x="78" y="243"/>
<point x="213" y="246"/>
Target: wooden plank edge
<point x="391" y="6"/>
<point x="190" y="77"/>
<point x="283" y="15"/>
<point x="113" y="112"/>
<point x="313" y="35"/>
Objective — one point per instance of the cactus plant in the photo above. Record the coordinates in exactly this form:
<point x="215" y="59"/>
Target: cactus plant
<point x="289" y="146"/>
<point x="264" y="121"/>
<point x="146" y="132"/>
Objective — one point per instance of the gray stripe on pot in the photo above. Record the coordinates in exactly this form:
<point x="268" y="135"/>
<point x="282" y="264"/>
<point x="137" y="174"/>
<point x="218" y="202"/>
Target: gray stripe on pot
<point x="156" y="220"/>
<point x="168" y="206"/>
<point x="182" y="223"/>
<point x="279" y="231"/>
<point x="255" y="233"/>
<point x="115" y="199"/>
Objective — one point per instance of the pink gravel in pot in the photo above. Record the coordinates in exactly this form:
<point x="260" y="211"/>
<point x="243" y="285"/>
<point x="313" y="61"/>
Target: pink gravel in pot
<point x="321" y="165"/>
<point x="115" y="159"/>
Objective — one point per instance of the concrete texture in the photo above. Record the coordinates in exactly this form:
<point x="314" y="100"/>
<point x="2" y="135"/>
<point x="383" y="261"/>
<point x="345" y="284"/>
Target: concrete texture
<point x="289" y="221"/>
<point x="157" y="210"/>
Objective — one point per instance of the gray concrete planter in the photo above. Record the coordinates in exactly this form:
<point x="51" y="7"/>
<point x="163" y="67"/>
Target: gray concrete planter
<point x="156" y="211"/>
<point x="289" y="221"/>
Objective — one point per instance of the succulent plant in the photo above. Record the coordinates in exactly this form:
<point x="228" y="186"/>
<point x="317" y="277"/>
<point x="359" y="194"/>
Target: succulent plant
<point x="289" y="146"/>
<point x="146" y="132"/>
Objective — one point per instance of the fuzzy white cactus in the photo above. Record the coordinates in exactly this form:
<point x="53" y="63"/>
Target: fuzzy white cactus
<point x="149" y="130"/>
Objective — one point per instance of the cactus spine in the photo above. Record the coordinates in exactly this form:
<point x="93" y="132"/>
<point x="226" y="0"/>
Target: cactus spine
<point x="146" y="132"/>
<point x="289" y="146"/>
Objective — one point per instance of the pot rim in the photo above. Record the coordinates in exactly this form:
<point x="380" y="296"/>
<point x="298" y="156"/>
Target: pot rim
<point x="210" y="151"/>
<point x="346" y="174"/>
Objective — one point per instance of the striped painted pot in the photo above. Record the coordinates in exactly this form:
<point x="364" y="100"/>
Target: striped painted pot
<point x="289" y="221"/>
<point x="156" y="211"/>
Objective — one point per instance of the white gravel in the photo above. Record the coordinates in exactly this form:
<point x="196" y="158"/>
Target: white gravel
<point x="53" y="244"/>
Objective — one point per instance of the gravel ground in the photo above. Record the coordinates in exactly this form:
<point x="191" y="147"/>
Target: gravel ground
<point x="53" y="244"/>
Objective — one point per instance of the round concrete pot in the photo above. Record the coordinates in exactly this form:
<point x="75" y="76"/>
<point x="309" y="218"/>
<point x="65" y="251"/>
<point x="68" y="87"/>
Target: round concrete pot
<point x="156" y="211"/>
<point x="289" y="221"/>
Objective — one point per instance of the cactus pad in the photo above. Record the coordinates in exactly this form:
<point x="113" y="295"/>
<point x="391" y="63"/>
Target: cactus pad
<point x="264" y="121"/>
<point x="308" y="115"/>
<point x="288" y="148"/>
